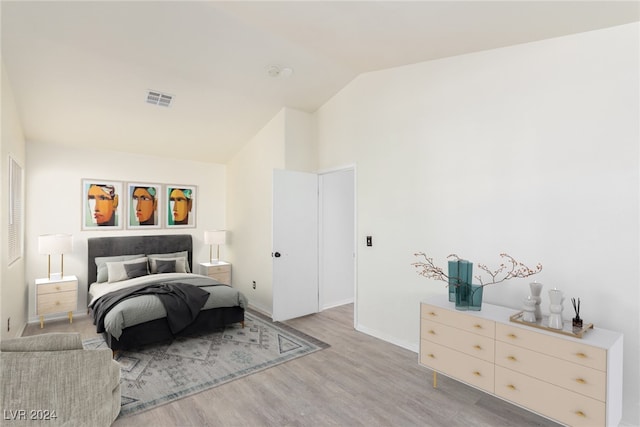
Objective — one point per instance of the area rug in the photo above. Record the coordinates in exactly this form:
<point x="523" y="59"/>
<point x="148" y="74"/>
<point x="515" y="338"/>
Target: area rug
<point x="157" y="374"/>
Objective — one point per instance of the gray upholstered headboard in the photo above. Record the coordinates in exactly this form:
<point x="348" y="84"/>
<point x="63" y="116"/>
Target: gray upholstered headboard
<point x="131" y="245"/>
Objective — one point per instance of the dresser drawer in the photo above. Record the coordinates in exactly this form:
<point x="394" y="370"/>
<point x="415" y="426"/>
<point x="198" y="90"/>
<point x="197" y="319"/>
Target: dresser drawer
<point x="563" y="405"/>
<point x="455" y="364"/>
<point x="457" y="339"/>
<point x="581" y="379"/>
<point x="57" y="287"/>
<point x="459" y="320"/>
<point x="56" y="302"/>
<point x="586" y="355"/>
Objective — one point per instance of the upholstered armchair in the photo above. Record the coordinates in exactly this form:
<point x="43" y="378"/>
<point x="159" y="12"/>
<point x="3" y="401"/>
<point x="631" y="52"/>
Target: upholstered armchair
<point x="51" y="380"/>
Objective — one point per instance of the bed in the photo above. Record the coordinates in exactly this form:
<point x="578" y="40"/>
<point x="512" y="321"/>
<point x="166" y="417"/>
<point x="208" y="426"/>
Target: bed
<point x="116" y="266"/>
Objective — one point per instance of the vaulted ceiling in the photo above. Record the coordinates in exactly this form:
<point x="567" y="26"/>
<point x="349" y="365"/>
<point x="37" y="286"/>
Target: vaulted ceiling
<point x="81" y="71"/>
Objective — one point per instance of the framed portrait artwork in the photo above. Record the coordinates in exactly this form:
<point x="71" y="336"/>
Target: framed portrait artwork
<point x="180" y="211"/>
<point x="144" y="203"/>
<point x="101" y="204"/>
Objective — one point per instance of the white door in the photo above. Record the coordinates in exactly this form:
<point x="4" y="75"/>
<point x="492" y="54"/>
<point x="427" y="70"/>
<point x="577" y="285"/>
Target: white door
<point x="295" y="244"/>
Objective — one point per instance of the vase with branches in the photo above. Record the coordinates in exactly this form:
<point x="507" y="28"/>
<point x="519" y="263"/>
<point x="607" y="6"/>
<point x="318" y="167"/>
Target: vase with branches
<point x="509" y="268"/>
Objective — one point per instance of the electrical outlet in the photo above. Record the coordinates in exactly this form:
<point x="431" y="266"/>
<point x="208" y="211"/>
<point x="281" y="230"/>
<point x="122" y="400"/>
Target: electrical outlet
<point x="254" y="284"/>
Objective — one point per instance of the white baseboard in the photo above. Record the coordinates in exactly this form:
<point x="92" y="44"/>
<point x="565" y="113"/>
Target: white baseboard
<point x="337" y="304"/>
<point x="261" y="310"/>
<point x="388" y="338"/>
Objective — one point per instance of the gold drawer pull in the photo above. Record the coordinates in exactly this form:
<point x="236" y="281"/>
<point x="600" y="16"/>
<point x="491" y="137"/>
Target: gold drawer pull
<point x="511" y="386"/>
<point x="512" y="358"/>
<point x="477" y="347"/>
<point x="431" y="355"/>
<point x="512" y="336"/>
<point x="432" y="313"/>
<point x="477" y="374"/>
<point x="58" y="288"/>
<point x="581" y="414"/>
<point x="581" y="380"/>
<point x="581" y="355"/>
<point x="432" y="332"/>
<point x="57" y="302"/>
<point x="477" y="326"/>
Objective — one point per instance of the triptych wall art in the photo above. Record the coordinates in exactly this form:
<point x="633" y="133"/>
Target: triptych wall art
<point x="112" y="205"/>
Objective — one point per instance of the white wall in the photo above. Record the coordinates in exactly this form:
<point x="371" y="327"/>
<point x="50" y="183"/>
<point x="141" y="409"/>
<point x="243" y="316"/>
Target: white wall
<point x="530" y="150"/>
<point x="54" y="198"/>
<point x="285" y="142"/>
<point x="13" y="288"/>
<point x="301" y="151"/>
<point x="249" y="177"/>
<point x="337" y="245"/>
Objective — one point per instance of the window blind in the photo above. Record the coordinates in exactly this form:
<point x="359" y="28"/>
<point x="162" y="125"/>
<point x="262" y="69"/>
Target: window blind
<point x="15" y="211"/>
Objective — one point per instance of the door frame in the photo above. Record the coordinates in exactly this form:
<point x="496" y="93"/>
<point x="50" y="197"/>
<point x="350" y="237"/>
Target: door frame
<point x="353" y="168"/>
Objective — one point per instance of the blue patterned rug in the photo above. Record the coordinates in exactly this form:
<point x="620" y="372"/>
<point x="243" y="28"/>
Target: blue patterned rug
<point x="161" y="373"/>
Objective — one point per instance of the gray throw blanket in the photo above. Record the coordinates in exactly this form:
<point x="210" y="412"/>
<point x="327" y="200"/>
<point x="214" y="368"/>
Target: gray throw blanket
<point x="181" y="301"/>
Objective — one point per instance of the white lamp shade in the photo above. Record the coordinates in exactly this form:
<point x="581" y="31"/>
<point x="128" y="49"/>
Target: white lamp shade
<point x="53" y="244"/>
<point x="215" y="237"/>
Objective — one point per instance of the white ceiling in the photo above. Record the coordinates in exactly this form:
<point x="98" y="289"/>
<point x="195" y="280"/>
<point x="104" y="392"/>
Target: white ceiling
<point x="80" y="70"/>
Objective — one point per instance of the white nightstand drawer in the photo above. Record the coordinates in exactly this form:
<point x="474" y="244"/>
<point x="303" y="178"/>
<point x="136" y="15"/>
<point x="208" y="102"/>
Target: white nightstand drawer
<point x="57" y="302"/>
<point x="57" y="287"/>
<point x="222" y="278"/>
<point x="220" y="271"/>
<point x="217" y="269"/>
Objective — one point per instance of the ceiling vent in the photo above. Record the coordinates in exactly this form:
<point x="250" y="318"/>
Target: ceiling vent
<point x="158" y="98"/>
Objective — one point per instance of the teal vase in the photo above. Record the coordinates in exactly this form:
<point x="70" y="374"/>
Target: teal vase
<point x="469" y="297"/>
<point x="460" y="272"/>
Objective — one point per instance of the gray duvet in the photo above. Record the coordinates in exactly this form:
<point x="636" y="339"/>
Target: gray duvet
<point x="145" y="308"/>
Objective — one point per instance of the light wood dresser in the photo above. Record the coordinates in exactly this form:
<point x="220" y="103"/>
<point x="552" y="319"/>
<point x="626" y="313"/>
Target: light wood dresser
<point x="574" y="381"/>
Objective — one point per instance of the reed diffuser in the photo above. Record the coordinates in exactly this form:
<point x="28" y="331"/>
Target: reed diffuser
<point x="577" y="321"/>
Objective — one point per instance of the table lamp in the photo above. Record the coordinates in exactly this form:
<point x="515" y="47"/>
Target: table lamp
<point x="53" y="244"/>
<point x="215" y="237"/>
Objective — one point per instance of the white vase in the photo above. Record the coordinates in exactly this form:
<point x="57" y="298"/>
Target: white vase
<point x="536" y="289"/>
<point x="555" y="309"/>
<point x="529" y="309"/>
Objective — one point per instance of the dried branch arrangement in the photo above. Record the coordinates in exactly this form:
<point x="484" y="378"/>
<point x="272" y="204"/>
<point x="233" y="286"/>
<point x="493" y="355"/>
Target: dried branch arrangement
<point x="509" y="268"/>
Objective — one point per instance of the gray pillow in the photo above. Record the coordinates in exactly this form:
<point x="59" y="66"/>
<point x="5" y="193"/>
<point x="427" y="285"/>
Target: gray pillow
<point x="179" y="265"/>
<point x="117" y="270"/>
<point x="183" y="254"/>
<point x="136" y="269"/>
<point x="101" y="263"/>
<point x="168" y="266"/>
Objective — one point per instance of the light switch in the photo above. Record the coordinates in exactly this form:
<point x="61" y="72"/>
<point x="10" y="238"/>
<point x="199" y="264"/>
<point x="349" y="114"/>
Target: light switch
<point x="369" y="241"/>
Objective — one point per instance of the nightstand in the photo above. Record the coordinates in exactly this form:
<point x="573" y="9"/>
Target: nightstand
<point x="221" y="271"/>
<point x="56" y="296"/>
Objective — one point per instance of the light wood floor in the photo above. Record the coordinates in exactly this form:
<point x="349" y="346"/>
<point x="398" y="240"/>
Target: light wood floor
<point x="358" y="381"/>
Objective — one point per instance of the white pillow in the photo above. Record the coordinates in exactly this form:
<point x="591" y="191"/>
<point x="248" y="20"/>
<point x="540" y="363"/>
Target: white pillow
<point x="117" y="270"/>
<point x="101" y="264"/>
